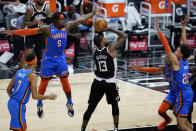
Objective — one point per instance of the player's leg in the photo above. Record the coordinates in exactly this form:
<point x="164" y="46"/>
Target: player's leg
<point x="17" y="113"/>
<point x="183" y="112"/>
<point x="113" y="98"/>
<point x="61" y="71"/>
<point x="96" y="93"/>
<point x="67" y="90"/>
<point x="46" y="74"/>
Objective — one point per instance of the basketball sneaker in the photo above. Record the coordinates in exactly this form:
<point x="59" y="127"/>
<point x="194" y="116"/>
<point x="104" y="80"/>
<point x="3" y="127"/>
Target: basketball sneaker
<point x="40" y="111"/>
<point x="163" y="124"/>
<point x="115" y="129"/>
<point x="70" y="109"/>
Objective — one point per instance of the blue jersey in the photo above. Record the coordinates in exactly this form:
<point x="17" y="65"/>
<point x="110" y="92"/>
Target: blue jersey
<point x="170" y="79"/>
<point x="181" y="76"/>
<point x="21" y="91"/>
<point x="56" y="42"/>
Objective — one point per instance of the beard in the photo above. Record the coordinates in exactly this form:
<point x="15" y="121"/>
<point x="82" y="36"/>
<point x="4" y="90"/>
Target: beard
<point x="40" y="3"/>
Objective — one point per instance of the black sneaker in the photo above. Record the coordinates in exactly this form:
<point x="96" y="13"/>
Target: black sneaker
<point x="70" y="110"/>
<point x="40" y="111"/>
<point x="115" y="129"/>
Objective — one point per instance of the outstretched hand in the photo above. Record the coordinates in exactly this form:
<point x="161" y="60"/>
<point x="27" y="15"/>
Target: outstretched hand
<point x="52" y="96"/>
<point x="157" y="23"/>
<point x="98" y="11"/>
<point x="134" y="67"/>
<point x="8" y="32"/>
<point x="185" y="21"/>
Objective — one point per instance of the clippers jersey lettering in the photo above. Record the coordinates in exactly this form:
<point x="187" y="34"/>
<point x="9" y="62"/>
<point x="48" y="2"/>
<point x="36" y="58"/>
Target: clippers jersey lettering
<point x="38" y="14"/>
<point x="56" y="42"/>
<point x="181" y="76"/>
<point x="22" y="89"/>
<point x="105" y="65"/>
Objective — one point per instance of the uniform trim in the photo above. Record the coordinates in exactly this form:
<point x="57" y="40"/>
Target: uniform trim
<point x="12" y="128"/>
<point x="20" y="113"/>
<point x="181" y="99"/>
<point x="166" y="101"/>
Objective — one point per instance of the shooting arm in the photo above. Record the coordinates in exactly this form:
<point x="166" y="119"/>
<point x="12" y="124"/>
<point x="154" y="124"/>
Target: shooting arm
<point x="122" y="37"/>
<point x="27" y="17"/>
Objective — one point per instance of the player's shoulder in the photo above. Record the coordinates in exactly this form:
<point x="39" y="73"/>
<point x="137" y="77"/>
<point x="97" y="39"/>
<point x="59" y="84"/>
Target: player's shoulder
<point x="32" y="76"/>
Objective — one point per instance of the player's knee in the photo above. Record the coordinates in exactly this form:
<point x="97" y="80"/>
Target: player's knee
<point x="161" y="111"/>
<point x="115" y="109"/>
<point x="65" y="84"/>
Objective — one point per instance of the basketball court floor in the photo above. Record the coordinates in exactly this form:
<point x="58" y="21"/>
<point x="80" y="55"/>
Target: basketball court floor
<point x="140" y="97"/>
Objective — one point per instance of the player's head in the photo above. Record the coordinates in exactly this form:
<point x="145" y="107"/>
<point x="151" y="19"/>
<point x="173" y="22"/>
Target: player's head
<point x="31" y="60"/>
<point x="184" y="51"/>
<point x="58" y="19"/>
<point x="71" y="8"/>
<point x="40" y="2"/>
<point x="99" y="40"/>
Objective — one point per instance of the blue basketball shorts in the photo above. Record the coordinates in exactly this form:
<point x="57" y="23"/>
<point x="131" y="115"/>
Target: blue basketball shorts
<point x="17" y="113"/>
<point x="184" y="103"/>
<point x="171" y="98"/>
<point x="54" y="65"/>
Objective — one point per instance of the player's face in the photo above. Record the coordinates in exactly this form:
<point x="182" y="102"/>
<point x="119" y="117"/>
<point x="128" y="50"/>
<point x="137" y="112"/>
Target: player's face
<point x="40" y="2"/>
<point x="178" y="53"/>
<point x="60" y="23"/>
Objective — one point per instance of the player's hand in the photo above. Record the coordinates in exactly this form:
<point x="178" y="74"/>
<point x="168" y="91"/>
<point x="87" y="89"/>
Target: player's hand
<point x="185" y="21"/>
<point x="39" y="22"/>
<point x="157" y="23"/>
<point x="98" y="11"/>
<point x="134" y="67"/>
<point x="52" y="96"/>
<point x="104" y="29"/>
<point x="8" y="32"/>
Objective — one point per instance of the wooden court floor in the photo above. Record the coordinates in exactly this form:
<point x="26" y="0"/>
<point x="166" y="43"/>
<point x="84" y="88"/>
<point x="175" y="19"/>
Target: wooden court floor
<point x="138" y="107"/>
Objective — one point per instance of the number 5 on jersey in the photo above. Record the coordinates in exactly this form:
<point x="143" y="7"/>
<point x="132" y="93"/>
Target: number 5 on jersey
<point x="59" y="43"/>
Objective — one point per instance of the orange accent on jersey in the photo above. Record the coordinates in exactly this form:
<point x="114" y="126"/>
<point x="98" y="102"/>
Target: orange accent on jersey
<point x="65" y="84"/>
<point x="20" y="115"/>
<point x="24" y="32"/>
<point x="32" y="62"/>
<point x="149" y="69"/>
<point x="164" y="42"/>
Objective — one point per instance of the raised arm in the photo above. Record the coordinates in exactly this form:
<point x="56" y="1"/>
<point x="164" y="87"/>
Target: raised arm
<point x="33" y="80"/>
<point x="10" y="86"/>
<point x="183" y="33"/>
<point x="81" y="20"/>
<point x="122" y="37"/>
<point x="171" y="56"/>
<point x="32" y="31"/>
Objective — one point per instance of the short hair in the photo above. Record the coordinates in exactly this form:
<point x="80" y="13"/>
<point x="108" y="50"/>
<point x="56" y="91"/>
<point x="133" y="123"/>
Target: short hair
<point x="30" y="57"/>
<point x="186" y="50"/>
<point x="98" y="39"/>
<point x="56" y="15"/>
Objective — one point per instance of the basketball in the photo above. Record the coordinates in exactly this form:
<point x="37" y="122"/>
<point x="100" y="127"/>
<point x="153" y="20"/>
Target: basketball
<point x="99" y="24"/>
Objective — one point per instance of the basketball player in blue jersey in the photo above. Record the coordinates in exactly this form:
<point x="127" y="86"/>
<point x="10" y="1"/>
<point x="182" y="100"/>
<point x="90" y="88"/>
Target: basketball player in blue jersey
<point x="19" y="89"/>
<point x="105" y="72"/>
<point x="170" y="99"/>
<point x="54" y="60"/>
<point x="184" y="91"/>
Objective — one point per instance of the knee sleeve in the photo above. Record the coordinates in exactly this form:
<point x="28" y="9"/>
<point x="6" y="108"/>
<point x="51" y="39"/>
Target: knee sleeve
<point x="163" y="108"/>
<point x="115" y="109"/>
<point x="65" y="84"/>
<point x="43" y="85"/>
<point x="89" y="111"/>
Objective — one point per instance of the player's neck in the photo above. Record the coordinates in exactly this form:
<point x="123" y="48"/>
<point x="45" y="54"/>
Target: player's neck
<point x="38" y="6"/>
